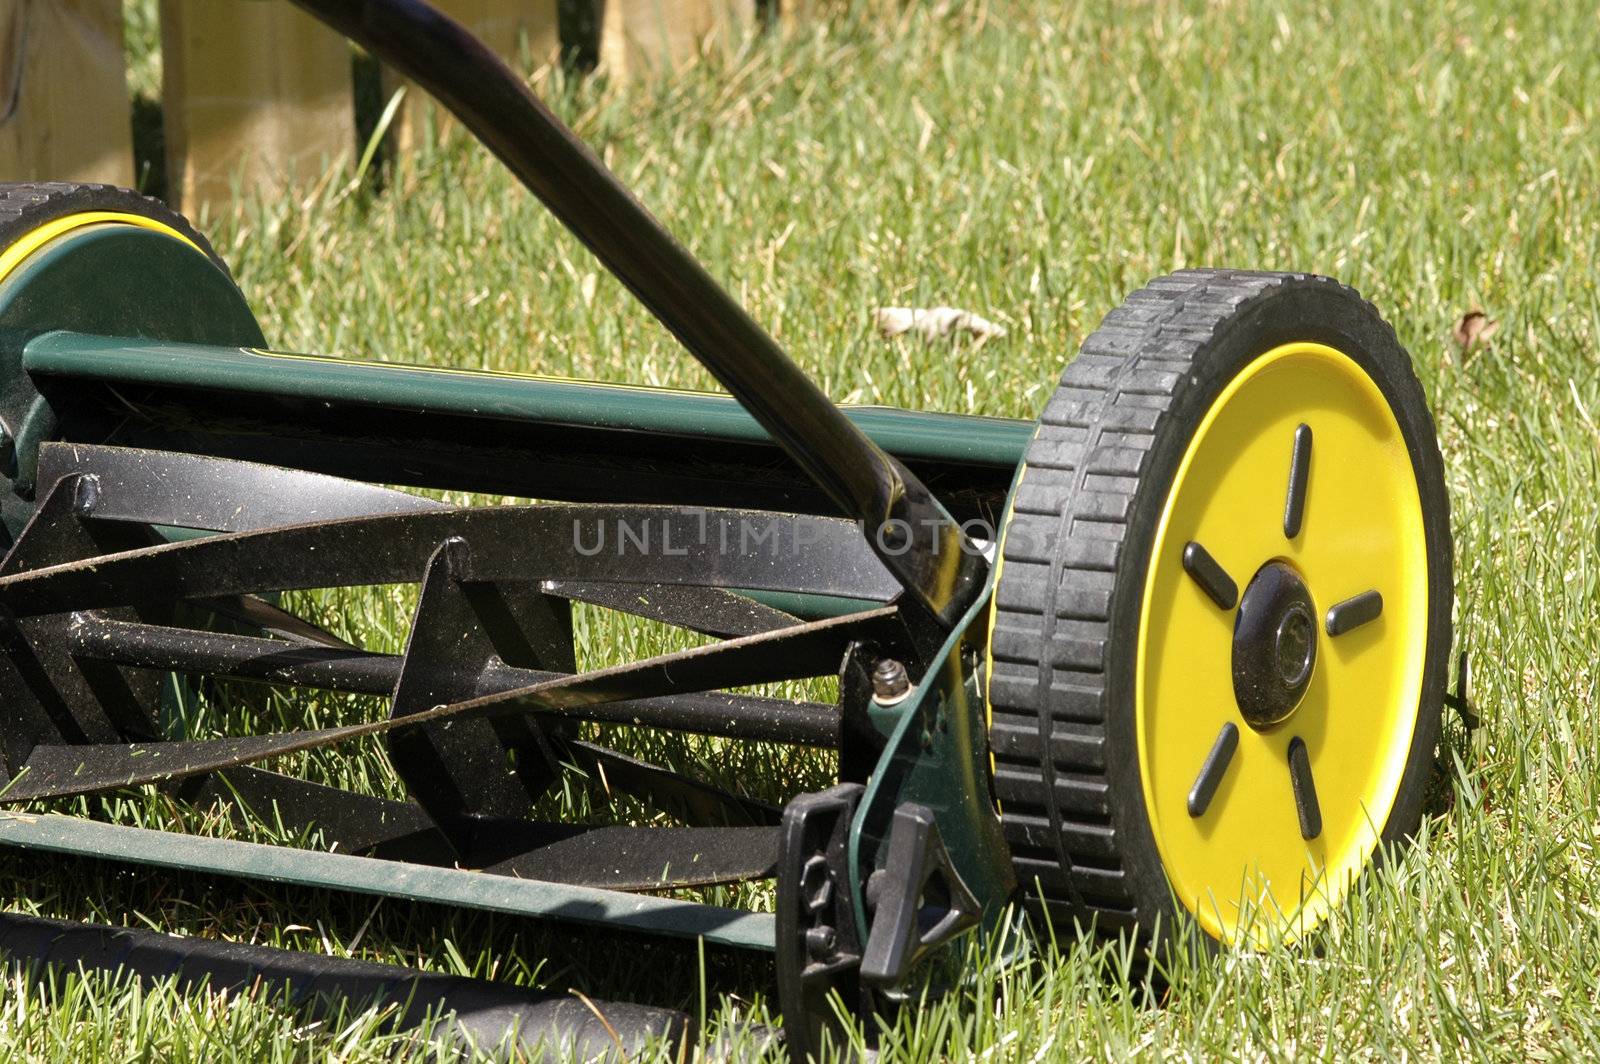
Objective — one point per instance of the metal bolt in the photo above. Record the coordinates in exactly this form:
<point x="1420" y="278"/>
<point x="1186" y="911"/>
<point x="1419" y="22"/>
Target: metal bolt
<point x="890" y="683"/>
<point x="457" y="556"/>
<point x="820" y="942"/>
<point x="86" y="495"/>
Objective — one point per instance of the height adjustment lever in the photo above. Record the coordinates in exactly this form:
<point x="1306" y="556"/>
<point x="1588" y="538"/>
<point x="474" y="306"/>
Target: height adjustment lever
<point x="918" y="899"/>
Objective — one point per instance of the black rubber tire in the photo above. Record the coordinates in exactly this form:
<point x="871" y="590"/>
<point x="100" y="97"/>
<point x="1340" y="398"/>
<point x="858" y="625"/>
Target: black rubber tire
<point x="25" y="206"/>
<point x="1093" y="485"/>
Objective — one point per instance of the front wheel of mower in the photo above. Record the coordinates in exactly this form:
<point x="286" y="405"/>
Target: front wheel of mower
<point x="1221" y="625"/>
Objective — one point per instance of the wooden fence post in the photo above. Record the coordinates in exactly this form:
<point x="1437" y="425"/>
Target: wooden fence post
<point x="255" y="93"/>
<point x="64" y="108"/>
<point x="647" y="37"/>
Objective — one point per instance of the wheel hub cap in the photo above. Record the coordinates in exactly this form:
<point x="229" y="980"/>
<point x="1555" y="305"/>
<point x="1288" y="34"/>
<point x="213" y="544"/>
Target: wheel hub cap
<point x="1274" y="646"/>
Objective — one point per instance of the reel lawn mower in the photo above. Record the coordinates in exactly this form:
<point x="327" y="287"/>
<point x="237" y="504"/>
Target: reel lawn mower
<point x="1169" y="661"/>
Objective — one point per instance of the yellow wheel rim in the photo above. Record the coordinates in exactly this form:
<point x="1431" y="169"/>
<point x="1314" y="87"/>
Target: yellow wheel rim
<point x="1243" y="866"/>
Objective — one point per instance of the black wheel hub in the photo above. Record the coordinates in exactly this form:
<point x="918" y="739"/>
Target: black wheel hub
<point x="1274" y="645"/>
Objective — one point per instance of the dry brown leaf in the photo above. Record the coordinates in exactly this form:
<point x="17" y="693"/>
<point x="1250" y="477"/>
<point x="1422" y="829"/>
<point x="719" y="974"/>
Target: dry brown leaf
<point x="933" y="322"/>
<point x="1475" y="329"/>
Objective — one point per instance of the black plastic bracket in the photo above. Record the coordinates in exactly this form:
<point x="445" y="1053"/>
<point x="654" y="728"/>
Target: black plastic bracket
<point x="818" y="948"/>
<point x="918" y="899"/>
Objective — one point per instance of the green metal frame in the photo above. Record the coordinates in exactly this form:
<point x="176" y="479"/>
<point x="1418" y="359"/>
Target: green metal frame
<point x="937" y="755"/>
<point x="137" y="312"/>
<point x="75" y="836"/>
<point x="481" y="393"/>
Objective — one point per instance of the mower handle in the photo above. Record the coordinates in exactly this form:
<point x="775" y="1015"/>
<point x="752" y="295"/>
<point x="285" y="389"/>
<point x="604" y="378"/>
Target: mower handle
<point x="917" y="539"/>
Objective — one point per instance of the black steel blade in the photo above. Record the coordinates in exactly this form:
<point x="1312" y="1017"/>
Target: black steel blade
<point x="349" y="822"/>
<point x="615" y="858"/>
<point x="802" y="651"/>
<point x="225" y="495"/>
<point x="638" y="859"/>
<point x="692" y="801"/>
<point x="711" y="610"/>
<point x="215" y="494"/>
<point x="274" y="661"/>
<point x="714" y="548"/>
<point x="259" y="613"/>
<point x="526" y="1024"/>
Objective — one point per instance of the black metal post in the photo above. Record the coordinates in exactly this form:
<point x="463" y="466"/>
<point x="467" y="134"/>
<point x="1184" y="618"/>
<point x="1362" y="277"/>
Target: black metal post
<point x="912" y="532"/>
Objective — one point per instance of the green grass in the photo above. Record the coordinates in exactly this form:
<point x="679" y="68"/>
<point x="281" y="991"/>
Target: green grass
<point x="1035" y="162"/>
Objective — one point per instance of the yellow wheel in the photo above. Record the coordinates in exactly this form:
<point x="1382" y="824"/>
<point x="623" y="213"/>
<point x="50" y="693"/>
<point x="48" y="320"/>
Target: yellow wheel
<point x="1222" y="621"/>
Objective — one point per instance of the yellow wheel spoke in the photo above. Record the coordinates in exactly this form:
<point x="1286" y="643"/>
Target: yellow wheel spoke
<point x="1305" y="790"/>
<point x="1212" y="578"/>
<point x="1215" y="767"/>
<point x="1353" y="612"/>
<point x="1294" y="506"/>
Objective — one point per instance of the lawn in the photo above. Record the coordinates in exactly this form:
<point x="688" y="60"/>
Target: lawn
<point x="1035" y="162"/>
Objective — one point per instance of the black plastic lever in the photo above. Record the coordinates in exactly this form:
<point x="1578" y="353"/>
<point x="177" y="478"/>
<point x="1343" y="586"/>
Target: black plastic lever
<point x="918" y="899"/>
